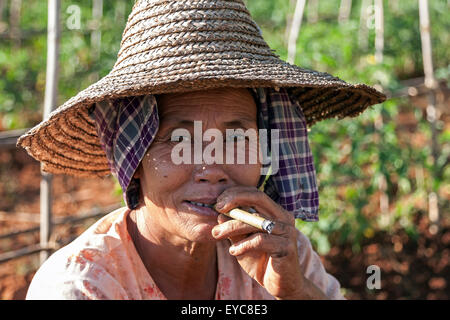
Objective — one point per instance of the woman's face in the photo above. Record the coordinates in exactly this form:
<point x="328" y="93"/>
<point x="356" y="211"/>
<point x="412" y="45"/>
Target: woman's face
<point x="172" y="192"/>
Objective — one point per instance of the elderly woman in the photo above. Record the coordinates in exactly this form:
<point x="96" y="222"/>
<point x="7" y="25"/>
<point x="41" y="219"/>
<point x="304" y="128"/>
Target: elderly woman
<point x="182" y="63"/>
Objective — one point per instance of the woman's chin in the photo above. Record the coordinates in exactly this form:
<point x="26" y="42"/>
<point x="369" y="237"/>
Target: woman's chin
<point x="196" y="227"/>
<point x="201" y="232"/>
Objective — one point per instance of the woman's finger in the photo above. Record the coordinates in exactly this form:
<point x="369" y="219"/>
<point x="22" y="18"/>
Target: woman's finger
<point x="249" y="196"/>
<point x="275" y="246"/>
<point x="228" y="227"/>
<point x="231" y="228"/>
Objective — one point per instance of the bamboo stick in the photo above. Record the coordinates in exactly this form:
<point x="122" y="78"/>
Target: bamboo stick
<point x="35" y="248"/>
<point x="379" y="122"/>
<point x="379" y="31"/>
<point x="51" y="89"/>
<point x="8" y="139"/>
<point x="289" y="17"/>
<point x="31" y="249"/>
<point x="19" y="217"/>
<point x="19" y="232"/>
<point x="119" y="12"/>
<point x="430" y="83"/>
<point x="94" y="213"/>
<point x="295" y="30"/>
<point x="426" y="44"/>
<point x="96" y="35"/>
<point x="313" y="11"/>
<point x="363" y="35"/>
<point x="14" y="21"/>
<point x="344" y="11"/>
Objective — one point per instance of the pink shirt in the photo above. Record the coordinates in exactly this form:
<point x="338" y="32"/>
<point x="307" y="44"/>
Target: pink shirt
<point x="103" y="263"/>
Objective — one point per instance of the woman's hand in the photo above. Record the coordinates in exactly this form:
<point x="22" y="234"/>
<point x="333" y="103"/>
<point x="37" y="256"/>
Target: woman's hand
<point x="270" y="259"/>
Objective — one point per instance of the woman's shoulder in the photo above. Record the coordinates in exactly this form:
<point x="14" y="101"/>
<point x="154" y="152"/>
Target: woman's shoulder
<point x="84" y="267"/>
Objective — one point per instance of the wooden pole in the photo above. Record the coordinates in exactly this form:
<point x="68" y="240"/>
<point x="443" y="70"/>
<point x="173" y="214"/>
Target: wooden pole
<point x="119" y="12"/>
<point x="363" y="35"/>
<point x="96" y="35"/>
<point x="289" y="17"/>
<point x="51" y="93"/>
<point x="430" y="84"/>
<point x="295" y="30"/>
<point x="313" y="11"/>
<point x="344" y="11"/>
<point x="426" y="44"/>
<point x="379" y="121"/>
<point x="14" y="21"/>
<point x="379" y="31"/>
<point x="94" y="213"/>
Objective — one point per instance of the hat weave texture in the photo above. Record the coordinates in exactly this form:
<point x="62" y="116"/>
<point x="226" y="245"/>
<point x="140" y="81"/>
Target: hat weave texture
<point x="179" y="46"/>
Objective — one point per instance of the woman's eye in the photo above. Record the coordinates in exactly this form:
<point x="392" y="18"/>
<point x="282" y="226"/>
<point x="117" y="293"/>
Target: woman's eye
<point x="180" y="139"/>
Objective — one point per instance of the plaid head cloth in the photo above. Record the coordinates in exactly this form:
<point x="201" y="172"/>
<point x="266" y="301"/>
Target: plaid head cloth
<point x="127" y="126"/>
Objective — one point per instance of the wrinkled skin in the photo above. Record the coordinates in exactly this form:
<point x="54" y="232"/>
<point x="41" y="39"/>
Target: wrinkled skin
<point x="183" y="240"/>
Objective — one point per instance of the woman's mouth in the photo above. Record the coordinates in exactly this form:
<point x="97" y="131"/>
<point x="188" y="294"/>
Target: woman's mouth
<point x="201" y="204"/>
<point x="201" y="208"/>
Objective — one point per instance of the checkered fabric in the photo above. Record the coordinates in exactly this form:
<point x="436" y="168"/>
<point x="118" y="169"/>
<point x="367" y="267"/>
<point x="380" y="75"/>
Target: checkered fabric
<point x="126" y="128"/>
<point x="294" y="186"/>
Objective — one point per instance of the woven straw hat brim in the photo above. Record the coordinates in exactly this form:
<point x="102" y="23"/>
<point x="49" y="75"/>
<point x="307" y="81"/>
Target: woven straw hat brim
<point x="180" y="46"/>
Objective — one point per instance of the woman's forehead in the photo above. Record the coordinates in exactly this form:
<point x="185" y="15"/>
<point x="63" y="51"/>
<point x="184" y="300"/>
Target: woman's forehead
<point x="226" y="103"/>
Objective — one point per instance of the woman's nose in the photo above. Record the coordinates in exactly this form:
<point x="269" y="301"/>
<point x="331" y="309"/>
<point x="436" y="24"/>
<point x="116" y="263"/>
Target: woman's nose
<point x="213" y="173"/>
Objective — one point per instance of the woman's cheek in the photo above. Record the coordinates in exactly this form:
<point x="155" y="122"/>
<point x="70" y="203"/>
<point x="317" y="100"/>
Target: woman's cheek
<point x="164" y="173"/>
<point x="245" y="174"/>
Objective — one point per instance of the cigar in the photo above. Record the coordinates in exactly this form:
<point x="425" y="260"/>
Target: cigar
<point x="251" y="219"/>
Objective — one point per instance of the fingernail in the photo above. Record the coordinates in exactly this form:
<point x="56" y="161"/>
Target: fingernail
<point x="216" y="232"/>
<point x="232" y="250"/>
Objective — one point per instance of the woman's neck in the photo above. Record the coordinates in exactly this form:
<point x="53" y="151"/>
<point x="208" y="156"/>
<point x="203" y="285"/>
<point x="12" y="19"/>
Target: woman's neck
<point x="181" y="269"/>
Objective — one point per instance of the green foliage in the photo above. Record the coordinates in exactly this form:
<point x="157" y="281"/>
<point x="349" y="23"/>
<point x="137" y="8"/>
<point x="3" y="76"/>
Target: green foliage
<point x="352" y="155"/>
<point x="22" y="67"/>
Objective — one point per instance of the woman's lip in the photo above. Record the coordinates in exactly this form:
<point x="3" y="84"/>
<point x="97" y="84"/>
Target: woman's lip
<point x="208" y="201"/>
<point x="205" y="211"/>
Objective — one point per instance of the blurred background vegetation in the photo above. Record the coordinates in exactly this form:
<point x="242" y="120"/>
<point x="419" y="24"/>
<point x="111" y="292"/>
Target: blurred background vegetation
<point x="375" y="172"/>
<point x="353" y="156"/>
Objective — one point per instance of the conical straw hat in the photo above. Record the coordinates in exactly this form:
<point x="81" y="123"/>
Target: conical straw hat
<point x="178" y="46"/>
